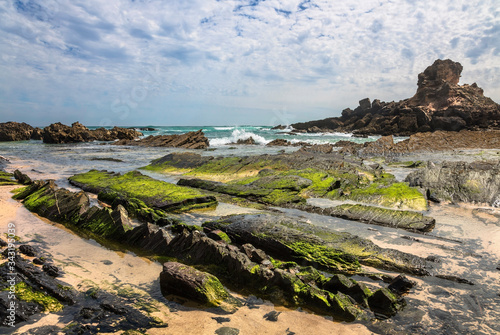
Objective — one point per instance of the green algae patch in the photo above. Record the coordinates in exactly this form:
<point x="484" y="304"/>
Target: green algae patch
<point x="325" y="256"/>
<point x="412" y="221"/>
<point x="186" y="281"/>
<point x="26" y="293"/>
<point x="154" y="193"/>
<point x="253" y="193"/>
<point x="214" y="291"/>
<point x="7" y="179"/>
<point x="398" y="195"/>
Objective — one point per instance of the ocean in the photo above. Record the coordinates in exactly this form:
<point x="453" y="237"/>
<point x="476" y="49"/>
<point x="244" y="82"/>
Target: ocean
<point x="224" y="135"/>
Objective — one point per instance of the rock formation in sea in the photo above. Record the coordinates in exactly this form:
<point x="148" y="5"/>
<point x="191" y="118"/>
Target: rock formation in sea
<point x="439" y="104"/>
<point x="15" y="131"/>
<point x="191" y="140"/>
<point x="60" y="133"/>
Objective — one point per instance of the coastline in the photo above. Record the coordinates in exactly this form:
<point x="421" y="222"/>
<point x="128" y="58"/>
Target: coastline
<point x="84" y="261"/>
<point x="462" y="246"/>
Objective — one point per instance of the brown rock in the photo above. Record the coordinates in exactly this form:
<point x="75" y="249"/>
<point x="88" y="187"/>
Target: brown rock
<point x="439" y="104"/>
<point x="321" y="148"/>
<point x="14" y="131"/>
<point x="60" y="133"/>
<point x="433" y="142"/>
<point x="191" y="140"/>
<point x="248" y="141"/>
<point x="439" y="72"/>
<point x="279" y="142"/>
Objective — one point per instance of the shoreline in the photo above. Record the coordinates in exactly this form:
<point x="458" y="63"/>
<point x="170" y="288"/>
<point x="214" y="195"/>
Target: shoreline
<point x="464" y="235"/>
<point x="248" y="321"/>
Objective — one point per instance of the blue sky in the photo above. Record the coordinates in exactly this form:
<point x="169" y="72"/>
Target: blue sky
<point x="208" y="62"/>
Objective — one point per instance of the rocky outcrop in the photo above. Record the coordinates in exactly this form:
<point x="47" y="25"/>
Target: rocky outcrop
<point x="191" y="140"/>
<point x="59" y="133"/>
<point x="439" y="104"/>
<point x="185" y="281"/>
<point x="477" y="182"/>
<point x="15" y="131"/>
<point x="433" y="142"/>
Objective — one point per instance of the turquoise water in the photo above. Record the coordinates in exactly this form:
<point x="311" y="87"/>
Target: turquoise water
<point x="224" y="135"/>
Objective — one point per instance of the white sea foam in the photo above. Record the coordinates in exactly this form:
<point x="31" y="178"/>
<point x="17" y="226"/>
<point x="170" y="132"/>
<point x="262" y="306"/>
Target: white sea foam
<point x="223" y="128"/>
<point x="238" y="134"/>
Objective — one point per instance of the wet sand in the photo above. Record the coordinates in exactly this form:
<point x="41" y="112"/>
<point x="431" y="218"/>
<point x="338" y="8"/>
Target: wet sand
<point x="85" y="262"/>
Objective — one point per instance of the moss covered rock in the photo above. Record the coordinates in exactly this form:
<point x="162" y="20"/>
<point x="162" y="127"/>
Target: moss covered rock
<point x="294" y="240"/>
<point x="265" y="195"/>
<point x="185" y="281"/>
<point x="154" y="193"/>
<point x="412" y="221"/>
<point x="384" y="302"/>
<point x="7" y="179"/>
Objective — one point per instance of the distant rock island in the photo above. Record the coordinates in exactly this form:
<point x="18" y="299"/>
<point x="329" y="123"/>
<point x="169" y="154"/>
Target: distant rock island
<point x="439" y="104"/>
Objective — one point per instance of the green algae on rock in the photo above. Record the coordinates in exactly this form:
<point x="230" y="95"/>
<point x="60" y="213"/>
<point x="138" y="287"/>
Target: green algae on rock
<point x="293" y="177"/>
<point x="254" y="193"/>
<point x="412" y="221"/>
<point x="26" y="293"/>
<point x="295" y="240"/>
<point x="154" y="193"/>
<point x="185" y="281"/>
<point x="7" y="179"/>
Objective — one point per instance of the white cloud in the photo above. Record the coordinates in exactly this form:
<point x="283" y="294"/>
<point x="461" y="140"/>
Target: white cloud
<point x="67" y="60"/>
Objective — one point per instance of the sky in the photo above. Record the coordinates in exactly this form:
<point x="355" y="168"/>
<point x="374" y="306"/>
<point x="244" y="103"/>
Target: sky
<point x="225" y="62"/>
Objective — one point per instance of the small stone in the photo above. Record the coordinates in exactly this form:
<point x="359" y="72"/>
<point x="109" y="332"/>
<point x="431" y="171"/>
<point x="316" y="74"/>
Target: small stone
<point x="39" y="261"/>
<point x="3" y="243"/>
<point x="51" y="270"/>
<point x="221" y="319"/>
<point x="106" y="262"/>
<point x="272" y="316"/>
<point x="227" y="331"/>
<point x="27" y="250"/>
<point x="401" y="285"/>
<point x="384" y="302"/>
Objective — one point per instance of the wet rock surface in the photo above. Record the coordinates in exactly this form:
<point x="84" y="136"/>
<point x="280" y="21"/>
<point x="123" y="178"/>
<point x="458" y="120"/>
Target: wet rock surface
<point x="190" y="140"/>
<point x="439" y="104"/>
<point x="477" y="182"/>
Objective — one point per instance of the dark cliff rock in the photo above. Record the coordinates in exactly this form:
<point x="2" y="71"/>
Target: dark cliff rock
<point x="191" y="140"/>
<point x="15" y="131"/>
<point x="60" y="133"/>
<point x="439" y="104"/>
